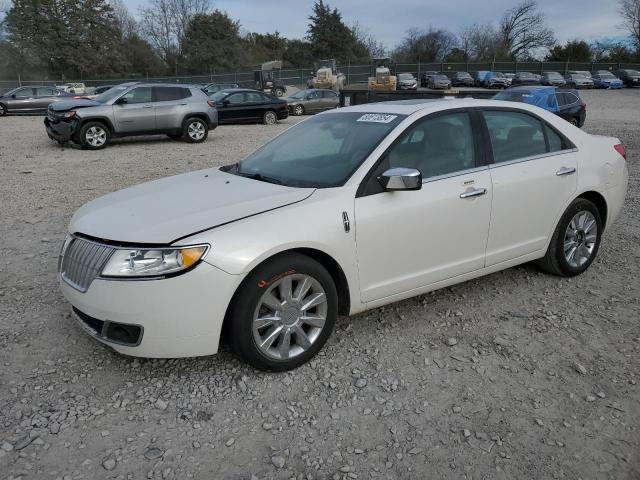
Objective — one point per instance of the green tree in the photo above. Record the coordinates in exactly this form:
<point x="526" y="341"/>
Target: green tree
<point x="573" y="50"/>
<point x="264" y="47"/>
<point x="212" y="42"/>
<point x="298" y="54"/>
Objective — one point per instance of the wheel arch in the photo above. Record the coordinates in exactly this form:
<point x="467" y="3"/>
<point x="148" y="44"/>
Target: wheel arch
<point x="103" y="120"/>
<point x="599" y="201"/>
<point x="200" y="115"/>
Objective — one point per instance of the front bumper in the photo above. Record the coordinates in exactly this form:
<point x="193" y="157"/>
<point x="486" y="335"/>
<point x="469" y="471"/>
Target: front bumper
<point x="283" y="113"/>
<point x="413" y="86"/>
<point x="179" y="316"/>
<point x="60" y="131"/>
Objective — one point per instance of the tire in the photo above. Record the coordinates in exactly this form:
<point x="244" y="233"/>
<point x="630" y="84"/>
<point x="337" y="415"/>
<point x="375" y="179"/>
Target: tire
<point x="585" y="244"/>
<point x="575" y="122"/>
<point x="268" y="283"/>
<point x="195" y="130"/>
<point x="279" y="92"/>
<point x="298" y="110"/>
<point x="270" y="118"/>
<point x="3" y="109"/>
<point x="94" y="136"/>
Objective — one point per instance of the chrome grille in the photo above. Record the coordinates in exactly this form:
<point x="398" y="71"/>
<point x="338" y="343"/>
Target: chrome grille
<point x="82" y="262"/>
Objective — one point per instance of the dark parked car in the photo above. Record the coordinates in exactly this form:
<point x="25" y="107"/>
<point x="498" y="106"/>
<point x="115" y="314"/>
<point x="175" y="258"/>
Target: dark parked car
<point x="525" y="78"/>
<point x="312" y="100"/>
<point x="179" y="111"/>
<point x="439" y="82"/>
<point x="240" y="105"/>
<point x="578" y="80"/>
<point x="631" y="78"/>
<point x="564" y="102"/>
<point x="406" y="81"/>
<point x="30" y="99"/>
<point x="424" y="78"/>
<point x="462" y="79"/>
<point x="552" y="79"/>
<point x="212" y="88"/>
<point x="487" y="79"/>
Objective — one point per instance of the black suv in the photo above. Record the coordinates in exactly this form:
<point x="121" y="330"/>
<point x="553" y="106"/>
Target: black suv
<point x="462" y="79"/>
<point x="631" y="78"/>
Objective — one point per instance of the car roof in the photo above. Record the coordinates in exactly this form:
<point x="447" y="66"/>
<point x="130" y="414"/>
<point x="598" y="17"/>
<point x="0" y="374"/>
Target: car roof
<point x="408" y="107"/>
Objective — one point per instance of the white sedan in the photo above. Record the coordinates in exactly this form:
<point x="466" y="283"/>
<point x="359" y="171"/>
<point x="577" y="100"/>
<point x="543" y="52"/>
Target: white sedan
<point x="347" y="211"/>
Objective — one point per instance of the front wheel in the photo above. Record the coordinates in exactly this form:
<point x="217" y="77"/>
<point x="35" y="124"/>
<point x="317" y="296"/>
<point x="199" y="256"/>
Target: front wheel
<point x="269" y="117"/>
<point x="575" y="242"/>
<point x="94" y="136"/>
<point x="3" y="110"/>
<point x="283" y="313"/>
<point x="195" y="130"/>
<point x="298" y="110"/>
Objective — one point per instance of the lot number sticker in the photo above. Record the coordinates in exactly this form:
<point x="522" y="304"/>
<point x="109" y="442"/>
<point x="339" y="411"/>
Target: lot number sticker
<point x="377" y="118"/>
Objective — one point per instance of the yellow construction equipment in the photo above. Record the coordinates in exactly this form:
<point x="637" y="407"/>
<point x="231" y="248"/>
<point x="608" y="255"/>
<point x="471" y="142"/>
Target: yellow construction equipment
<point x="382" y="79"/>
<point x="327" y="76"/>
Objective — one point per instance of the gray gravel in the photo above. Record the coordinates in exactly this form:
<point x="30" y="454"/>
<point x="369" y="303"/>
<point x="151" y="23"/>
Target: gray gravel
<point x="515" y="375"/>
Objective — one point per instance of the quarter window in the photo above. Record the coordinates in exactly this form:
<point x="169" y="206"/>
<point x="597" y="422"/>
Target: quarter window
<point x="328" y="94"/>
<point x="436" y="145"/>
<point x="168" y="94"/>
<point x="514" y="135"/>
<point x="555" y="140"/>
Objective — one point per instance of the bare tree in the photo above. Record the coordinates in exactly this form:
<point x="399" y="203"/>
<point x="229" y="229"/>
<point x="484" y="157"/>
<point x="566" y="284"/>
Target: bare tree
<point x="126" y="21"/>
<point x="479" y="42"/>
<point x="164" y="23"/>
<point x="430" y="45"/>
<point x="630" y="11"/>
<point x="523" y="29"/>
<point x="375" y="47"/>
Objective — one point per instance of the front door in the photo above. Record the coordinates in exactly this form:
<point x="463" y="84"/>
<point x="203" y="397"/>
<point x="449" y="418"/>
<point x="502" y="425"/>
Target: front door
<point x="410" y="239"/>
<point x="22" y="100"/>
<point x="233" y="108"/>
<point x="135" y="111"/>
<point x="534" y="175"/>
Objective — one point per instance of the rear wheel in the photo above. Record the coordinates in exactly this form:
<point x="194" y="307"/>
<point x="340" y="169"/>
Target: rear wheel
<point x="283" y="313"/>
<point x="195" y="130"/>
<point x="298" y="110"/>
<point x="3" y="110"/>
<point x="279" y="92"/>
<point x="576" y="240"/>
<point x="94" y="136"/>
<point x="575" y="122"/>
<point x="269" y="117"/>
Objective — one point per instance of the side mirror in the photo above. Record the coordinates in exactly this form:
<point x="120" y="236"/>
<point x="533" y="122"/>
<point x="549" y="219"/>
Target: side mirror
<point x="226" y="103"/>
<point x="401" y="179"/>
<point x="122" y="101"/>
<point x="13" y="96"/>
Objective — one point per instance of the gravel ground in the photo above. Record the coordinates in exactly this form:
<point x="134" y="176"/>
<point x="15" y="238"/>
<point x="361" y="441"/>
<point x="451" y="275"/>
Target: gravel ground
<point x="514" y="375"/>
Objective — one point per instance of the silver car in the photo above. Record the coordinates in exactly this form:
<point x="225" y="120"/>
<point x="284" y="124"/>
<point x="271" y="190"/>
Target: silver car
<point x="439" y="82"/>
<point x="30" y="99"/>
<point x="179" y="111"/>
<point x="312" y="100"/>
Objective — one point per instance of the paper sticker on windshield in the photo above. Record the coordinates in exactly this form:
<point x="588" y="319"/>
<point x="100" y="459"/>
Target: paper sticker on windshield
<point x="377" y="118"/>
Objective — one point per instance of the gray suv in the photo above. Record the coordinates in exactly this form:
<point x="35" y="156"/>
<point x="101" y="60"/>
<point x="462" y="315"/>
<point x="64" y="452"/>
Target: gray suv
<point x="179" y="111"/>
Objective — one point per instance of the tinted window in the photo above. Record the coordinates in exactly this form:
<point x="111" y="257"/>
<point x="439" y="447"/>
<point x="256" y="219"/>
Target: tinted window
<point x="138" y="95"/>
<point x="328" y="94"/>
<point x="323" y="151"/>
<point x="45" y="92"/>
<point x="514" y="135"/>
<point x="254" y="97"/>
<point x="436" y="145"/>
<point x="235" y="98"/>
<point x="168" y="94"/>
<point x="23" y="93"/>
<point x="555" y="140"/>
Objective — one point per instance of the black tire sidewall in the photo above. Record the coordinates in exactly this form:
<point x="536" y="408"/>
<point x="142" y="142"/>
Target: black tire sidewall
<point x="3" y="110"/>
<point x="577" y="206"/>
<point x="188" y="122"/>
<point x="269" y="112"/>
<point x="239" y="321"/>
<point x="83" y="134"/>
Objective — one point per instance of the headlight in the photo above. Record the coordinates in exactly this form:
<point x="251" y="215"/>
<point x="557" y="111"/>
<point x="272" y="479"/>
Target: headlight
<point x="70" y="114"/>
<point x="150" y="262"/>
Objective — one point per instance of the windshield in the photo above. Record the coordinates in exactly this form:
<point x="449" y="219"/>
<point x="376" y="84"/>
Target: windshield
<point x="553" y="75"/>
<point x="11" y="92"/>
<point x="440" y="77"/>
<point x="321" y="152"/>
<point x="405" y="76"/>
<point x="301" y="94"/>
<point x="525" y="75"/>
<point x="499" y="75"/>
<point x="606" y="75"/>
<point x="463" y="75"/>
<point x="578" y="76"/>
<point x="633" y="72"/>
<point x="109" y="94"/>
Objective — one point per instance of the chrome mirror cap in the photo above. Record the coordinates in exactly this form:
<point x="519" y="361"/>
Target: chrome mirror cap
<point x="401" y="179"/>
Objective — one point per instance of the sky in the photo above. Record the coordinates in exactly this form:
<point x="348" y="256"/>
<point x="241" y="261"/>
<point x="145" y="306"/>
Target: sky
<point x="388" y="21"/>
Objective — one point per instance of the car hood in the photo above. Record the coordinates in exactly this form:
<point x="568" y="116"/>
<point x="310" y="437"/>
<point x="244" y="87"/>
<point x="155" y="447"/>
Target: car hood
<point x="65" y="105"/>
<point x="165" y="210"/>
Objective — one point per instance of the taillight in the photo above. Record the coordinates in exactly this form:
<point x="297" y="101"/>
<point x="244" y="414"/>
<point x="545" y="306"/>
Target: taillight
<point x="621" y="150"/>
<point x="212" y="103"/>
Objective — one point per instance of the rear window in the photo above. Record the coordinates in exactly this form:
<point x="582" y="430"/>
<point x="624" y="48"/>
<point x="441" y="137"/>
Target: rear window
<point x="168" y="94"/>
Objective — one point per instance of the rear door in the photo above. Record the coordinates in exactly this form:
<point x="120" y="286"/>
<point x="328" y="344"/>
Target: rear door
<point x="256" y="104"/>
<point x="171" y="107"/>
<point x="43" y="97"/>
<point x="330" y="100"/>
<point x="534" y="176"/>
<point x="135" y="111"/>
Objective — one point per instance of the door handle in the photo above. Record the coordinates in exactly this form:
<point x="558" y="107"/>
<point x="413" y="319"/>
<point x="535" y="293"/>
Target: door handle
<point x="566" y="171"/>
<point x="183" y="104"/>
<point x="148" y="106"/>
<point x="473" y="193"/>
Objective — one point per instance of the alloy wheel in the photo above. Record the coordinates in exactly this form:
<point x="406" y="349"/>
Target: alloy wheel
<point x="96" y="136"/>
<point x="196" y="131"/>
<point x="580" y="238"/>
<point x="270" y="118"/>
<point x="290" y="316"/>
<point x="299" y="110"/>
<point x="3" y="110"/>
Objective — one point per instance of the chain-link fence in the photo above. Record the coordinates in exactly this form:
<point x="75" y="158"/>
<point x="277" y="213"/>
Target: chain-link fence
<point x="353" y="73"/>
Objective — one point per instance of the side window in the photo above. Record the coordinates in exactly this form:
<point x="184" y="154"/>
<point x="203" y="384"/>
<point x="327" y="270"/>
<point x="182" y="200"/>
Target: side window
<point x="570" y="98"/>
<point x="514" y="135"/>
<point x="236" y="98"/>
<point x="555" y="140"/>
<point x="436" y="145"/>
<point x="44" y="92"/>
<point x="24" y="93"/>
<point x="252" y="97"/>
<point x="168" y="94"/>
<point x="328" y="94"/>
<point x="138" y="95"/>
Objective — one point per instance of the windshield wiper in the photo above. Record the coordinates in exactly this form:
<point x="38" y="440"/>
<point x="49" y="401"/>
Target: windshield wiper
<point x="260" y="177"/>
